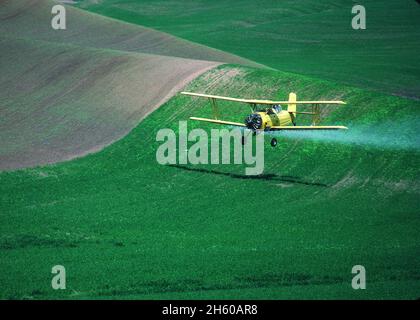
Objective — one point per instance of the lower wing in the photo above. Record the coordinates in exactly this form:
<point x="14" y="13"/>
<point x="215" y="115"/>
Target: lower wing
<point x="276" y="128"/>
<point x="229" y="123"/>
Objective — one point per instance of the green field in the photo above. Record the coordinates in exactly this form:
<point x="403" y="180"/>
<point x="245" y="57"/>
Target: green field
<point x="126" y="227"/>
<point x="306" y="37"/>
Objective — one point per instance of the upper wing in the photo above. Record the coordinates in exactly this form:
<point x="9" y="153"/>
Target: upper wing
<point x="275" y="128"/>
<point x="254" y="101"/>
<point x="219" y="121"/>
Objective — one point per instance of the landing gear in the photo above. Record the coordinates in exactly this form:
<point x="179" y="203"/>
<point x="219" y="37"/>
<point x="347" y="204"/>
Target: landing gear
<point x="273" y="142"/>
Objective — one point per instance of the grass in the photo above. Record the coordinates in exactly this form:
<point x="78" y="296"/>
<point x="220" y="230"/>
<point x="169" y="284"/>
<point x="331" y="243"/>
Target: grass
<point x="126" y="227"/>
<point x="307" y="37"/>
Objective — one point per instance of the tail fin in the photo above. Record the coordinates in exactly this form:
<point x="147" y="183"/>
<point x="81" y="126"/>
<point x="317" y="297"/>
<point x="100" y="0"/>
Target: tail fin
<point x="291" y="107"/>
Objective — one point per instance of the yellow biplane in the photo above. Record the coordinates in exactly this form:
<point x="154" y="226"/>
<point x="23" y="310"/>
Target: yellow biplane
<point x="268" y="115"/>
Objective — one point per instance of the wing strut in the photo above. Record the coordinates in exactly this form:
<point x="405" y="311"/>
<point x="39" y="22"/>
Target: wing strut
<point x="316" y="114"/>
<point x="216" y="113"/>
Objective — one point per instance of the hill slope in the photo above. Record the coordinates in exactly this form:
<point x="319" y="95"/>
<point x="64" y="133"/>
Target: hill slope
<point x="61" y="102"/>
<point x="32" y="19"/>
<point x="66" y="93"/>
<point x="306" y="37"/>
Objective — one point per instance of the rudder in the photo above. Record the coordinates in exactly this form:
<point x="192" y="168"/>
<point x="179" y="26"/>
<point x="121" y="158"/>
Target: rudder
<point x="291" y="107"/>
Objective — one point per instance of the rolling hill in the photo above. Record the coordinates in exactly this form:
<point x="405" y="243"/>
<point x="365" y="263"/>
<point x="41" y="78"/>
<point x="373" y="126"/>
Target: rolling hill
<point x="71" y="92"/>
<point x="126" y="227"/>
<point x="307" y="37"/>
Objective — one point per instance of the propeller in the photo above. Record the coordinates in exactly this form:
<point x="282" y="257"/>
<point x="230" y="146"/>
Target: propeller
<point x="253" y="121"/>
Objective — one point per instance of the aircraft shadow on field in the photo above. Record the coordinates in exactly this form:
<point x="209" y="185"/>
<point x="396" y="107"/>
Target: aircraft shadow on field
<point x="265" y="176"/>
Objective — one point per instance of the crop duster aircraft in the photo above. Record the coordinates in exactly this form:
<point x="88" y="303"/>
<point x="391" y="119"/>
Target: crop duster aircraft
<point x="267" y="115"/>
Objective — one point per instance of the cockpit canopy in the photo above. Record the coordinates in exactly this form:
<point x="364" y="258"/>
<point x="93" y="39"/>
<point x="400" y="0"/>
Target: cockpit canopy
<point x="274" y="109"/>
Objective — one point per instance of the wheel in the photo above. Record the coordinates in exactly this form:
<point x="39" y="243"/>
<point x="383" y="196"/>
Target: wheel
<point x="243" y="140"/>
<point x="273" y="142"/>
